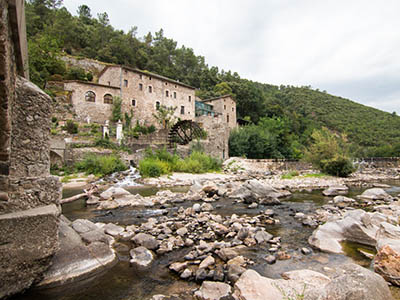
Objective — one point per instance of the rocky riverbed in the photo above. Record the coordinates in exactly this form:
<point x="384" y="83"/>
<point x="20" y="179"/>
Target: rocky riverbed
<point x="230" y="236"/>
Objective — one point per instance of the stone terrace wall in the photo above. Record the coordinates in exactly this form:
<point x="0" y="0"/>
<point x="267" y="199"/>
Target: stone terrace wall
<point x="28" y="194"/>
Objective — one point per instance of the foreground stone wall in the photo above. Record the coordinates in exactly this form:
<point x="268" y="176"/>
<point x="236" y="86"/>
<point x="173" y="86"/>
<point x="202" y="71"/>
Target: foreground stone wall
<point x="29" y="196"/>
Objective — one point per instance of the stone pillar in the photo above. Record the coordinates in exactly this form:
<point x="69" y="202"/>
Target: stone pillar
<point x="29" y="196"/>
<point x="120" y="134"/>
<point x="106" y="130"/>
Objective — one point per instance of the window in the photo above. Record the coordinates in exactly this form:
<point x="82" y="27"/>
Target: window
<point x="190" y="98"/>
<point x="233" y="109"/>
<point x="108" y="99"/>
<point x="109" y="83"/>
<point x="157" y="105"/>
<point x="149" y="77"/>
<point x="182" y="110"/>
<point x="90" y="96"/>
<point x="166" y="93"/>
<point x="175" y="85"/>
<point x="166" y="83"/>
<point x="140" y="76"/>
<point x="133" y="102"/>
<point x="227" y="118"/>
<point x="125" y="83"/>
<point x="174" y="95"/>
<point x="224" y="106"/>
<point x="140" y="87"/>
<point x="150" y="89"/>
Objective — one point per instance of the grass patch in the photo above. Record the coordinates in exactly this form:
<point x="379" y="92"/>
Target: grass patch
<point x="290" y="175"/>
<point x="68" y="178"/>
<point x="162" y="162"/>
<point x="315" y="175"/>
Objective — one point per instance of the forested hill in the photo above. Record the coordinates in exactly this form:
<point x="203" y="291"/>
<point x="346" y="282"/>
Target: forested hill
<point x="53" y="31"/>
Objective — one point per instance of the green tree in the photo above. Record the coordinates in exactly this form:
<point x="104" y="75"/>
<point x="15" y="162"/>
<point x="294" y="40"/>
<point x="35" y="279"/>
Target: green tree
<point x="329" y="153"/>
<point x="116" y="113"/>
<point x="165" y="116"/>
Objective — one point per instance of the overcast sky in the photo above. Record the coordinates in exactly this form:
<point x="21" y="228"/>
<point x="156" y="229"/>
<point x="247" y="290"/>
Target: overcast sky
<point x="350" y="48"/>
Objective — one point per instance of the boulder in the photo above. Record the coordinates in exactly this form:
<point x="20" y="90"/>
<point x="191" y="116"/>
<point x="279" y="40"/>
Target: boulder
<point x="210" y="290"/>
<point x="82" y="225"/>
<point x="113" y="230"/>
<point x="335" y="191"/>
<point x="262" y="236"/>
<point x="375" y="194"/>
<point x="141" y="257"/>
<point x="207" y="262"/>
<point x="114" y="192"/>
<point x="253" y="286"/>
<point x="75" y="260"/>
<point x="350" y="282"/>
<point x="355" y="226"/>
<point x="227" y="253"/>
<point x="146" y="240"/>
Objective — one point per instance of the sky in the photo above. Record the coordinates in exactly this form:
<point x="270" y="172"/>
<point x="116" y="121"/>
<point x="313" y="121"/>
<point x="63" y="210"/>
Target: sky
<point x="350" y="48"/>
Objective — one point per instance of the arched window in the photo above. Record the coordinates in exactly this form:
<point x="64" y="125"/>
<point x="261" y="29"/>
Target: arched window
<point x="133" y="102"/>
<point x="90" y="96"/>
<point x="166" y="93"/>
<point x="157" y="105"/>
<point x="150" y="89"/>
<point x="108" y="99"/>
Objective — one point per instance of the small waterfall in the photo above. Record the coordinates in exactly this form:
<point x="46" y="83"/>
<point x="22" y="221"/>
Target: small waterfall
<point x="130" y="178"/>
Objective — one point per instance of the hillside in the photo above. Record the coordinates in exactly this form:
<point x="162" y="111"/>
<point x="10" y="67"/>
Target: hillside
<point x="53" y="32"/>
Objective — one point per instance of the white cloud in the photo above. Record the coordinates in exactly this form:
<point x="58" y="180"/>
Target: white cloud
<point x="346" y="47"/>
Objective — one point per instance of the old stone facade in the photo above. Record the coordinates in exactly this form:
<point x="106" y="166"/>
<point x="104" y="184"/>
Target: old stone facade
<point x="29" y="196"/>
<point x="141" y="93"/>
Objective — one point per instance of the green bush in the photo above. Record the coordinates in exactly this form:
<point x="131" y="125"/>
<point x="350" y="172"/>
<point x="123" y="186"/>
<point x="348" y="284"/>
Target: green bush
<point x="153" y="167"/>
<point x="71" y="127"/>
<point x="162" y="162"/>
<point x="329" y="153"/>
<point x="338" y="166"/>
<point x="100" y="165"/>
<point x="76" y="73"/>
<point x="105" y="143"/>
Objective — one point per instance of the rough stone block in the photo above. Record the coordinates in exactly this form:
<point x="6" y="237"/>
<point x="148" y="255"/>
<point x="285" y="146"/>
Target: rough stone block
<point x="28" y="240"/>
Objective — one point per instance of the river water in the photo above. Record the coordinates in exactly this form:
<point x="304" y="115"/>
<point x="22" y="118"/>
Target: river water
<point x="124" y="282"/>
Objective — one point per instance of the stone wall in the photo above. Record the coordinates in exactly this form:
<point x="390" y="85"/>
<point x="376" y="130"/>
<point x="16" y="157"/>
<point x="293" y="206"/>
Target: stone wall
<point x="89" y="65"/>
<point x="29" y="196"/>
<point x="218" y="131"/>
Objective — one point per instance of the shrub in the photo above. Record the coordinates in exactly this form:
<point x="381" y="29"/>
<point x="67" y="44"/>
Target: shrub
<point x="105" y="143"/>
<point x="100" y="165"/>
<point x="89" y="76"/>
<point x="338" y="166"/>
<point x="162" y="162"/>
<point x="71" y="127"/>
<point x="76" y="73"/>
<point x="329" y="153"/>
<point x="151" y="129"/>
<point x="153" y="167"/>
